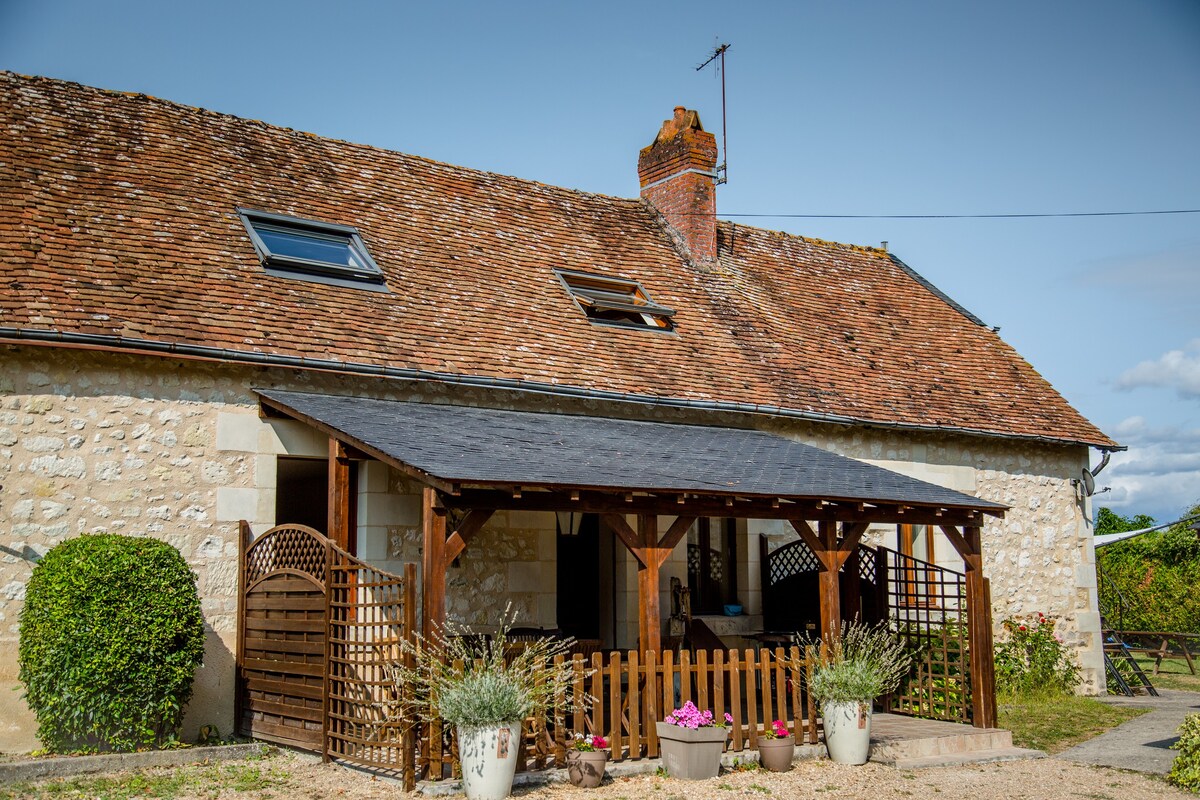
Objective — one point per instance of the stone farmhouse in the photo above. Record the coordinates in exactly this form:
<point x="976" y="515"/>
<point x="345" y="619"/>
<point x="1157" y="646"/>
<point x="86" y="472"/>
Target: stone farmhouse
<point x="207" y="319"/>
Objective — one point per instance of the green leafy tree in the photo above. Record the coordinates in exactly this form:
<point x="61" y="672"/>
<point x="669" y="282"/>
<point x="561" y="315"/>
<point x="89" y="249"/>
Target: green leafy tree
<point x="1150" y="582"/>
<point x="1109" y="521"/>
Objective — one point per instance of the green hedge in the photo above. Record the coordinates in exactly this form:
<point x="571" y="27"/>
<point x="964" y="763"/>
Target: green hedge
<point x="1185" y="772"/>
<point x="111" y="635"/>
<point x="1158" y="576"/>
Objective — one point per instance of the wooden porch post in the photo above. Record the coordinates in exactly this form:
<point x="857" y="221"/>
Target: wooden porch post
<point x="969" y="545"/>
<point x="340" y="494"/>
<point x="831" y="595"/>
<point x="433" y="563"/>
<point x="649" y="617"/>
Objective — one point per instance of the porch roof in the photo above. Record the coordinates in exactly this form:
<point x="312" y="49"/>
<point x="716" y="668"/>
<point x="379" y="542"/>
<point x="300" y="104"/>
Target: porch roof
<point x="453" y="447"/>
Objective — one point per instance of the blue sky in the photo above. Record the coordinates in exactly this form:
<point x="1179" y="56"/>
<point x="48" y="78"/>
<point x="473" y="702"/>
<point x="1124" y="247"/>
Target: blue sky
<point x="833" y="108"/>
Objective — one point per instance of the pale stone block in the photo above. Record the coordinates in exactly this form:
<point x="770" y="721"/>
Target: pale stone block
<point x="266" y="472"/>
<point x="1085" y="576"/>
<point x="524" y="576"/>
<point x="372" y="543"/>
<point x="235" y="504"/>
<point x="289" y="437"/>
<point x="547" y="546"/>
<point x="532" y="520"/>
<point x="238" y="432"/>
<point x="373" y="476"/>
<point x="548" y="577"/>
<point x="547" y="610"/>
<point x="266" y="504"/>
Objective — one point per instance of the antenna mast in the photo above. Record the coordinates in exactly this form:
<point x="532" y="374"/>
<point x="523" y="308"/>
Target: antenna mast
<point x="723" y="169"/>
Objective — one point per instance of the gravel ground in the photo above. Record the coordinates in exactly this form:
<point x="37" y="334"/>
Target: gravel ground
<point x="295" y="777"/>
<point x="1035" y="779"/>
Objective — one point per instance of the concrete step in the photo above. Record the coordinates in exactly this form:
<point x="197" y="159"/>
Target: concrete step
<point x="896" y="739"/>
<point x="968" y="757"/>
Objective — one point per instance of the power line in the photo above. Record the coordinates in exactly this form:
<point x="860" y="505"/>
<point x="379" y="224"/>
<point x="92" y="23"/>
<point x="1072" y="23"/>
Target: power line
<point x="971" y="216"/>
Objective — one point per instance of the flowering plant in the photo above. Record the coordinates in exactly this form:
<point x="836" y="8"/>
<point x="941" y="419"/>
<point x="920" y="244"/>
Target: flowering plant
<point x="588" y="743"/>
<point x="1031" y="658"/>
<point x="691" y="717"/>
<point x="778" y="730"/>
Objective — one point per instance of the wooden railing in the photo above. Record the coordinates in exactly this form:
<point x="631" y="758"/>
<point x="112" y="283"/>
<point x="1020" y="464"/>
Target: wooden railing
<point x="630" y="692"/>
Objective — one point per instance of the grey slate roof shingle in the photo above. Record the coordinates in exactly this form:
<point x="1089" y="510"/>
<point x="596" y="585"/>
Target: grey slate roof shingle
<point x="488" y="446"/>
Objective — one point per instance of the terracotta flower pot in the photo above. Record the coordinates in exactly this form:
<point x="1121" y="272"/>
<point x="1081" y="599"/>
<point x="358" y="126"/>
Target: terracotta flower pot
<point x="776" y="754"/>
<point x="691" y="754"/>
<point x="586" y="769"/>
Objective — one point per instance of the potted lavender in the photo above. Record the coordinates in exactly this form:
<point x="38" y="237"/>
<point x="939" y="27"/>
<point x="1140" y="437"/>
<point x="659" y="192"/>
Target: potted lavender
<point x="692" y="741"/>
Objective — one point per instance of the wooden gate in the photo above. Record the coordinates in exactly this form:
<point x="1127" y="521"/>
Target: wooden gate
<point x="318" y="630"/>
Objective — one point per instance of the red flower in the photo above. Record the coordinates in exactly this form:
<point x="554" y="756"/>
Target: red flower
<point x="1020" y="627"/>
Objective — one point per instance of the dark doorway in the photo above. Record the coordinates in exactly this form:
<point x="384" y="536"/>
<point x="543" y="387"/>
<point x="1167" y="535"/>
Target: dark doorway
<point x="579" y="575"/>
<point x="302" y="492"/>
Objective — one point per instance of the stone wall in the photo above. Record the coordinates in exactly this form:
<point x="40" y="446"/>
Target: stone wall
<point x="91" y="441"/>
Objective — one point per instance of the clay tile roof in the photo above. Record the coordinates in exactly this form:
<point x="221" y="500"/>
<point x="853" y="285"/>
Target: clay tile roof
<point x="118" y="223"/>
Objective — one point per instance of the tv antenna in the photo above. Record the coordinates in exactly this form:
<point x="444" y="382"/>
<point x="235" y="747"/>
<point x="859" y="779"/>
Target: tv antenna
<point x="723" y="169"/>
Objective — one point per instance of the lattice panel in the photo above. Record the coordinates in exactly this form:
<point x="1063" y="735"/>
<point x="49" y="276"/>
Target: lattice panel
<point x="926" y="602"/>
<point x="286" y="547"/>
<point x="791" y="559"/>
<point x="693" y="557"/>
<point x="369" y="613"/>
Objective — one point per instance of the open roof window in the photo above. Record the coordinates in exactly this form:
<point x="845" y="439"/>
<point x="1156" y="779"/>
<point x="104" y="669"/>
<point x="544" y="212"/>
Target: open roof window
<point x="615" y="301"/>
<point x="292" y="247"/>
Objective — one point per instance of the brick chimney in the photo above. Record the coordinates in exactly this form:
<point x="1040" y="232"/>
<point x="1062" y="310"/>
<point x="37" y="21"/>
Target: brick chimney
<point x="678" y="176"/>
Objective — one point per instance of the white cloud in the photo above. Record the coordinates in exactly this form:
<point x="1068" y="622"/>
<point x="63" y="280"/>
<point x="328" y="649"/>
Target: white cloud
<point x="1175" y="369"/>
<point x="1158" y="475"/>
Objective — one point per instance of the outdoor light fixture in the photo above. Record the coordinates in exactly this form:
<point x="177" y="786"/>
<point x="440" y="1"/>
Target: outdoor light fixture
<point x="568" y="522"/>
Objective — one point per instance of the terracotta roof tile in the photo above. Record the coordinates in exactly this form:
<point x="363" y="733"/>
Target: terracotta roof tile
<point x="117" y="218"/>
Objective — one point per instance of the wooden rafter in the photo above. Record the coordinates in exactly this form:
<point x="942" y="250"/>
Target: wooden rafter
<point x="605" y="502"/>
<point x="457" y="542"/>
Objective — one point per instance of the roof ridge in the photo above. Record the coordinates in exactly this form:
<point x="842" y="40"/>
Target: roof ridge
<point x="29" y="79"/>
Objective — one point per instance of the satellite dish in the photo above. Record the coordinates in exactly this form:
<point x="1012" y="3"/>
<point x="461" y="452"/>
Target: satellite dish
<point x="1089" y="483"/>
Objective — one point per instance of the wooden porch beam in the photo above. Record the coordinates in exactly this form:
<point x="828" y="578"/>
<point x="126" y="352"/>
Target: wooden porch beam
<point x="627" y="536"/>
<point x="810" y="538"/>
<point x="673" y="536"/>
<point x="433" y="563"/>
<point x="457" y="542"/>
<point x="961" y="545"/>
<point x="852" y="533"/>
<point x="599" y="502"/>
<point x="339" y="494"/>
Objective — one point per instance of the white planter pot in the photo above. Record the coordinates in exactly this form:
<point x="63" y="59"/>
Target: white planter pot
<point x="847" y="731"/>
<point x="489" y="759"/>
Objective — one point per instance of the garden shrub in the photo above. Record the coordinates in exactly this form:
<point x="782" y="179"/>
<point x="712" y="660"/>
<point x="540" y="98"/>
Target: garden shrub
<point x="1185" y="772"/>
<point x="1031" y="659"/>
<point x="1149" y="582"/>
<point x="110" y="638"/>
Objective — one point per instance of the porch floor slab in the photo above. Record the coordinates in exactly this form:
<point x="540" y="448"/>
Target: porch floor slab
<point x="907" y="742"/>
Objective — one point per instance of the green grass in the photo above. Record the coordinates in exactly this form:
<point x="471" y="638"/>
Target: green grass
<point x="1055" y="723"/>
<point x="1173" y="673"/>
<point x="194" y="781"/>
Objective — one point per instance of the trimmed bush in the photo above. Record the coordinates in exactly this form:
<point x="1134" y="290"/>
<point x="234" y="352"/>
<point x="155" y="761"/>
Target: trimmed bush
<point x="1185" y="772"/>
<point x="111" y="635"/>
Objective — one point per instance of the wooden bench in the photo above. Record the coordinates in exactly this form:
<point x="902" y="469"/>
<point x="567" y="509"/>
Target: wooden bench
<point x="1171" y="644"/>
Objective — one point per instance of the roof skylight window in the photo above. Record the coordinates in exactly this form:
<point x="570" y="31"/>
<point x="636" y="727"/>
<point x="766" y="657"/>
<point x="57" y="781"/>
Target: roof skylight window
<point x="615" y="301"/>
<point x="292" y="247"/>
